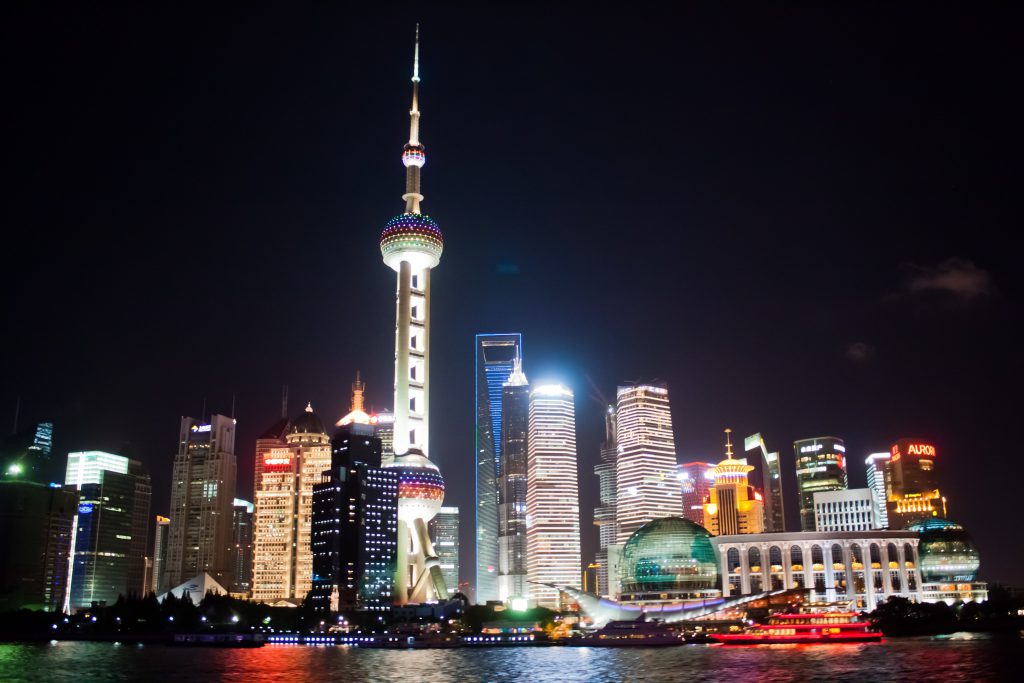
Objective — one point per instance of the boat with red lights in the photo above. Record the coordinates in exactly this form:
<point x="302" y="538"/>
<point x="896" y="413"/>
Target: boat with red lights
<point x="805" y="628"/>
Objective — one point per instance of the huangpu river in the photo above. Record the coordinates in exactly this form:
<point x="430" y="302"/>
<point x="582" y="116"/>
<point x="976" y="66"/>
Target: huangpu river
<point x="960" y="657"/>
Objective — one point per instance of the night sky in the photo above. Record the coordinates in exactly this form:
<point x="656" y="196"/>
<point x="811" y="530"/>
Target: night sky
<point x="799" y="217"/>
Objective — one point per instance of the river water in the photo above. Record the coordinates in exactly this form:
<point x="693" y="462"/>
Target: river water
<point x="961" y="657"/>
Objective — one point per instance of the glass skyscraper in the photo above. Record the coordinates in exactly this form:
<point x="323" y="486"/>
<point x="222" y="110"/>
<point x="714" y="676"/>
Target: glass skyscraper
<point x="771" y="479"/>
<point x="25" y="455"/>
<point x="495" y="357"/>
<point x="820" y="466"/>
<point x="109" y="532"/>
<point x="878" y="475"/>
<point x="444" y="530"/>
<point x="515" y="414"/>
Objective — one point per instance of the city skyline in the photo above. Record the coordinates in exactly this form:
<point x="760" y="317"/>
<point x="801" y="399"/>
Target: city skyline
<point x="102" y="395"/>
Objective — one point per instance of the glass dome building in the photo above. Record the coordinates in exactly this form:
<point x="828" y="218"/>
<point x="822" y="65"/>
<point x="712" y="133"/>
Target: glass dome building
<point x="669" y="560"/>
<point x="947" y="552"/>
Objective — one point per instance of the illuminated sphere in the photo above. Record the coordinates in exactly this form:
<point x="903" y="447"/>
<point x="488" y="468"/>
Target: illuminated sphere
<point x="946" y="550"/>
<point x="669" y="558"/>
<point x="414" y="155"/>
<point x="420" y="487"/>
<point x="412" y="237"/>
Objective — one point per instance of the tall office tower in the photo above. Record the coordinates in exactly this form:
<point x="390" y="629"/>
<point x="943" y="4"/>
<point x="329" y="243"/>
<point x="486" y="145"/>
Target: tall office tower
<point x="411" y="245"/>
<point x="771" y="478"/>
<point x="820" y="466"/>
<point x="697" y="479"/>
<point x="915" y="489"/>
<point x="515" y="417"/>
<point x="604" y="514"/>
<point x="496" y="355"/>
<point x="163" y="525"/>
<point x="282" y="524"/>
<point x="241" y="546"/>
<point x="846" y="510"/>
<point x="444" y="529"/>
<point x="202" y="493"/>
<point x="355" y="525"/>
<point x="384" y="429"/>
<point x="647" y="480"/>
<point x="271" y="438"/>
<point x="552" y="495"/>
<point x="880" y="483"/>
<point x="733" y="506"/>
<point x="37" y="523"/>
<point x="137" y="583"/>
<point x="25" y="455"/>
<point x="105" y="538"/>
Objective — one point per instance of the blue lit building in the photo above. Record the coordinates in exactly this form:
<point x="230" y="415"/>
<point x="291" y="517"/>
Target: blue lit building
<point x="25" y="455"/>
<point x="496" y="355"/>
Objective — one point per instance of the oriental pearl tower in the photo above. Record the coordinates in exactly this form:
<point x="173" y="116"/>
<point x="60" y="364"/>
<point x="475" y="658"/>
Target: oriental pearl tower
<point x="411" y="245"/>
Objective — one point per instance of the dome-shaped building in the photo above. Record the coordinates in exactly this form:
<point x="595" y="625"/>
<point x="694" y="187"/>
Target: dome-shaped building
<point x="669" y="560"/>
<point x="947" y="552"/>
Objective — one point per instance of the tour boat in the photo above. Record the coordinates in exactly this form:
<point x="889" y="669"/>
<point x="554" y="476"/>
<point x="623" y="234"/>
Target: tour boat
<point x="809" y="628"/>
<point x="630" y="634"/>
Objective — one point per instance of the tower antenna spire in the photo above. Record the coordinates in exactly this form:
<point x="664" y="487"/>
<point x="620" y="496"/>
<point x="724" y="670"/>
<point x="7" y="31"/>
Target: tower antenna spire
<point x="728" y="443"/>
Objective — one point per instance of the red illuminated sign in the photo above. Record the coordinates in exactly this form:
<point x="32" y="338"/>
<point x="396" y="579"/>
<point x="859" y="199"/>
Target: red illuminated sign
<point x="921" y="449"/>
<point x="277" y="461"/>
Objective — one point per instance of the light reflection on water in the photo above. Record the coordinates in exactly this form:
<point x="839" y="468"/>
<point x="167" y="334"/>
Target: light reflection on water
<point x="969" y="657"/>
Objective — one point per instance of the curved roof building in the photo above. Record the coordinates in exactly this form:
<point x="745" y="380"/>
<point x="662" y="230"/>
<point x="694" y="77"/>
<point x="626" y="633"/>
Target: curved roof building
<point x="669" y="559"/>
<point x="947" y="551"/>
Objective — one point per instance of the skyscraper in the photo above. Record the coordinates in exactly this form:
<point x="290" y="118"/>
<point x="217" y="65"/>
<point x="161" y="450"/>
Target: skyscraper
<point x="36" y="529"/>
<point x="163" y="525"/>
<point x="110" y="531"/>
<point x="271" y="438"/>
<point x="879" y="481"/>
<point x="733" y="506"/>
<point x="241" y="548"/>
<point x="282" y="526"/>
<point x="604" y="514"/>
<point x="202" y="494"/>
<point x="696" y="478"/>
<point x="411" y="245"/>
<point x="355" y="525"/>
<point x="915" y="489"/>
<point x="515" y="417"/>
<point x="444" y="529"/>
<point x="648" y="485"/>
<point x="820" y="466"/>
<point x="496" y="355"/>
<point x="771" y="476"/>
<point x="552" y="495"/>
<point x="25" y="455"/>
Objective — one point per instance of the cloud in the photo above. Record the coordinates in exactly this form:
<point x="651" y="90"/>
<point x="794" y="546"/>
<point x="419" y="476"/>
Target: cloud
<point x="953" y="278"/>
<point x="859" y="352"/>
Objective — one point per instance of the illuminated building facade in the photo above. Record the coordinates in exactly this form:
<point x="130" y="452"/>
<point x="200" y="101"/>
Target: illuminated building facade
<point x="163" y="525"/>
<point x="696" y="478"/>
<point x="496" y="355"/>
<point x="355" y="525"/>
<point x="604" y="514"/>
<point x="552" y="494"/>
<point x="444" y="529"/>
<point x="25" y="455"/>
<point x="411" y="245"/>
<point x="880" y="482"/>
<point x="645" y="469"/>
<point x="733" y="506"/>
<point x="282" y="527"/>
<point x="37" y="523"/>
<point x="515" y="415"/>
<point x="771" y="476"/>
<point x="271" y="438"/>
<point x="202" y="495"/>
<point x="866" y="567"/>
<point x="241" y="547"/>
<point x="111" y="533"/>
<point x="846" y="510"/>
<point x="820" y="466"/>
<point x="915" y="491"/>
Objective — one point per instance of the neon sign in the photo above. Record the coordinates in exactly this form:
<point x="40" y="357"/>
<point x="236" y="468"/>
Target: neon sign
<point x="921" y="449"/>
<point x="277" y="460"/>
<point x="85" y="508"/>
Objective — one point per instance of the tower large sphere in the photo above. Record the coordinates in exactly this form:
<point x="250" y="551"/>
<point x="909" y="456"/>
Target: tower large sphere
<point x="670" y="557"/>
<point x="420" y="487"/>
<point x="413" y="237"/>
<point x="946" y="550"/>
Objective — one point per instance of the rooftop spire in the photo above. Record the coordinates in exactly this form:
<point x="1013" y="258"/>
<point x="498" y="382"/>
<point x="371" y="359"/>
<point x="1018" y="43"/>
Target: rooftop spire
<point x="728" y="443"/>
<point x="357" y="393"/>
<point x="413" y="156"/>
<point x="414" y="113"/>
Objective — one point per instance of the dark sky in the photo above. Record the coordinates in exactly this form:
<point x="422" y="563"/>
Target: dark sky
<point x="800" y="217"/>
